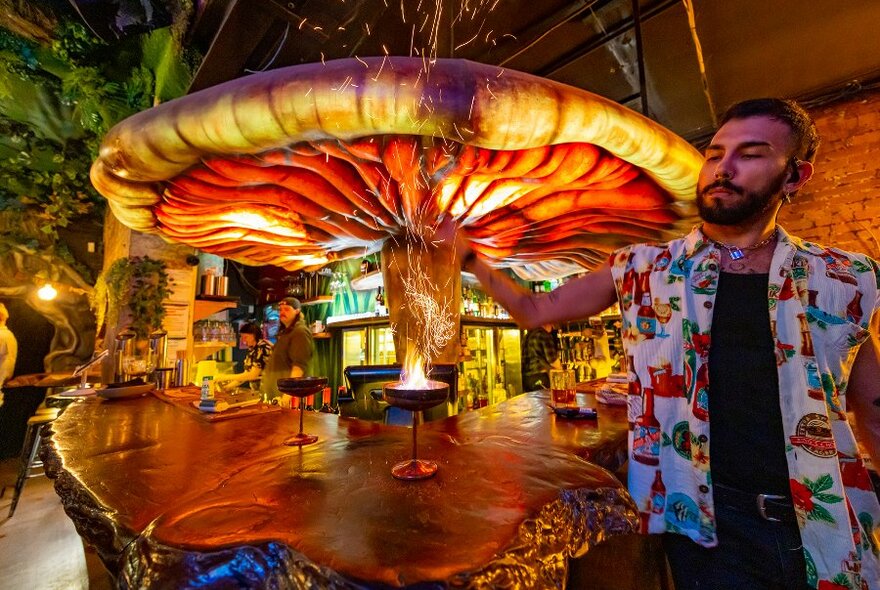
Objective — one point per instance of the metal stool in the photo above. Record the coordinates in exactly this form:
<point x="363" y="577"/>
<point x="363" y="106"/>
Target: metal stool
<point x="29" y="458"/>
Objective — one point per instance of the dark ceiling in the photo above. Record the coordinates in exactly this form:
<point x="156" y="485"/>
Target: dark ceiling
<point x="806" y="49"/>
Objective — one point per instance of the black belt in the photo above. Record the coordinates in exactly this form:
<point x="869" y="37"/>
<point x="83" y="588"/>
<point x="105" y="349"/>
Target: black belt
<point x="768" y="506"/>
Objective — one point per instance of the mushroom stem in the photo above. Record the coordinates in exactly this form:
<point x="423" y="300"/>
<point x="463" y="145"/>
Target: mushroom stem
<point x="403" y="259"/>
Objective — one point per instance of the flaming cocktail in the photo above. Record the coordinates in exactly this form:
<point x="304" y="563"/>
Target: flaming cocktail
<point x="415" y="392"/>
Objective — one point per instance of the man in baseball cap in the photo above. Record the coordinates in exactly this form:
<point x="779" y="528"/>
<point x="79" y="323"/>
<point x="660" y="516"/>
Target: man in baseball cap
<point x="293" y="350"/>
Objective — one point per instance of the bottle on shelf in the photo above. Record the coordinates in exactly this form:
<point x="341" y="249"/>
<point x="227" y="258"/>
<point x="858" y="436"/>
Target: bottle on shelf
<point x="380" y="303"/>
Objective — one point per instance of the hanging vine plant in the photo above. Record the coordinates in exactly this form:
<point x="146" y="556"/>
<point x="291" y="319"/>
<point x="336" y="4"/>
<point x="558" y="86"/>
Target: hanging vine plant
<point x="139" y="283"/>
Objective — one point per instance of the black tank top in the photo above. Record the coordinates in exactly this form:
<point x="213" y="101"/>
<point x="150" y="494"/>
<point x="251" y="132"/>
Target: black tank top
<point x="747" y="448"/>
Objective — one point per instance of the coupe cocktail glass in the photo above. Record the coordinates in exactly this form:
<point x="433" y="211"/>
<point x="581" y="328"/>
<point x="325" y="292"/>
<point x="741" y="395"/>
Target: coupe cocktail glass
<point x="301" y="387"/>
<point x="401" y="395"/>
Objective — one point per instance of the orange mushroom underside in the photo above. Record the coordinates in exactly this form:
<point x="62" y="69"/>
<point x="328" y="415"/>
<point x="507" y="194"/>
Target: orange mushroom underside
<point x="316" y="202"/>
<point x="311" y="164"/>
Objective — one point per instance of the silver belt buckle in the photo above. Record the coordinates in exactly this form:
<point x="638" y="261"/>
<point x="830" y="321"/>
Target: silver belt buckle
<point x="762" y="509"/>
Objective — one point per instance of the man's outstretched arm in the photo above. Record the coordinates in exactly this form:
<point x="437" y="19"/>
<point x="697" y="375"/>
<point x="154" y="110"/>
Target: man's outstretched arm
<point x="576" y="299"/>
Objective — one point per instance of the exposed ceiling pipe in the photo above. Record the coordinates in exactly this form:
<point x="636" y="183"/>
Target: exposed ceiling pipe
<point x="538" y="32"/>
<point x="622" y="27"/>
<point x="701" y="63"/>
<point x="640" y="56"/>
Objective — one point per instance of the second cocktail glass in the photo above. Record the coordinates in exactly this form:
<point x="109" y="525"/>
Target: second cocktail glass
<point x="301" y="387"/>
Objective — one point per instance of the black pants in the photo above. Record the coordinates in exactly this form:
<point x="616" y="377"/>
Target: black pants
<point x="752" y="553"/>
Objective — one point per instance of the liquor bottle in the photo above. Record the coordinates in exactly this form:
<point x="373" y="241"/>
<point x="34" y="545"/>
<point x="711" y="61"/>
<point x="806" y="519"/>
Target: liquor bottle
<point x="646" y="433"/>
<point x="646" y="317"/>
<point x="658" y="494"/>
<point x="380" y="303"/>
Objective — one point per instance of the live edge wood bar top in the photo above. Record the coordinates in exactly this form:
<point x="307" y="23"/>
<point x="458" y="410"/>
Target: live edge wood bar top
<point x="172" y="500"/>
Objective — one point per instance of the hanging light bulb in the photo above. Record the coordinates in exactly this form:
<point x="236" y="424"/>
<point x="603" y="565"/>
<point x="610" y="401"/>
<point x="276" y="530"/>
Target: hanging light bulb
<point x="47" y="292"/>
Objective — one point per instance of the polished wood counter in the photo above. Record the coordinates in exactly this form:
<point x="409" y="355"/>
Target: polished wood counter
<point x="172" y="500"/>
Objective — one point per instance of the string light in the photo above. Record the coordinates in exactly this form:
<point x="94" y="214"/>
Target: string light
<point x="47" y="292"/>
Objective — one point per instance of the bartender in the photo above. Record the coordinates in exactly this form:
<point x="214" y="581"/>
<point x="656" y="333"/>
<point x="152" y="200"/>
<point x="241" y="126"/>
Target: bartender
<point x="259" y="350"/>
<point x="293" y="350"/>
<point x="541" y="355"/>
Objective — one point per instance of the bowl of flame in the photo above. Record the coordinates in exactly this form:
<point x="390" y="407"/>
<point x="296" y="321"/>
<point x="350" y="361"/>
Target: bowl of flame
<point x="407" y="397"/>
<point x="301" y="386"/>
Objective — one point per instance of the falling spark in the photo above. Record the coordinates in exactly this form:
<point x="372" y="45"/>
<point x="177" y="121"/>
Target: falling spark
<point x="433" y="320"/>
<point x="460" y="45"/>
<point x="382" y="65"/>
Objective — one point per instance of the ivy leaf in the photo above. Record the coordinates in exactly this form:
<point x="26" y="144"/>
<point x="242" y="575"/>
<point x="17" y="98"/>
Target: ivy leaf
<point x="823" y="483"/>
<point x="828" y="498"/>
<point x="820" y="514"/>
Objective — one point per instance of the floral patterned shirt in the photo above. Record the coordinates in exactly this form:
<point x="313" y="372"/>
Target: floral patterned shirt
<point x="258" y="355"/>
<point x="820" y="302"/>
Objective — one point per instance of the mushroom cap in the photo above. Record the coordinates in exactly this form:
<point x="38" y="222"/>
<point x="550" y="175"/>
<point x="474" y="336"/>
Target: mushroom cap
<point x="303" y="165"/>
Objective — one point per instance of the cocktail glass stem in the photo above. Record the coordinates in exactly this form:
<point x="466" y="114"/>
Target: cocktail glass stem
<point x="302" y="404"/>
<point x="415" y="432"/>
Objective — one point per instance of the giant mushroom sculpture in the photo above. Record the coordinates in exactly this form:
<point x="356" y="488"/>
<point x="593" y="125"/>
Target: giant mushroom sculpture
<point x="301" y="166"/>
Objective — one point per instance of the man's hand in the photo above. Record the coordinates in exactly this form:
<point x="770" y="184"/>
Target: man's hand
<point x="448" y="233"/>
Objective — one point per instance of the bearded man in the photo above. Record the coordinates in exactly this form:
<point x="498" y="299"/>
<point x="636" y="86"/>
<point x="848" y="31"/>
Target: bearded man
<point x="774" y="338"/>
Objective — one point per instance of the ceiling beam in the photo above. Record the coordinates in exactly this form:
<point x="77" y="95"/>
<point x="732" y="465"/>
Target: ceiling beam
<point x="621" y="27"/>
<point x="535" y="32"/>
<point x="241" y="32"/>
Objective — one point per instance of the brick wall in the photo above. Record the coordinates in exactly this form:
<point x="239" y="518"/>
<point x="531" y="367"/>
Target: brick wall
<point x="840" y="206"/>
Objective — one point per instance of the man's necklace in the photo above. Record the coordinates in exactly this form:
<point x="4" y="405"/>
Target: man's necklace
<point x="737" y="253"/>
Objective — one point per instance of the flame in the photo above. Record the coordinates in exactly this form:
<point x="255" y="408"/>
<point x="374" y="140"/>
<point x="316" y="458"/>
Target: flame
<point x="413" y="374"/>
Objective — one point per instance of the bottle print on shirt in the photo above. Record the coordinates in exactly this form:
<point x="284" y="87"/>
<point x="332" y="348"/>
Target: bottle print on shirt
<point x="646" y="433"/>
<point x="646" y="317"/>
<point x="814" y="382"/>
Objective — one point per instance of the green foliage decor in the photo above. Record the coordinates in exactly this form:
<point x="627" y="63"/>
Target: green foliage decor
<point x="141" y="284"/>
<point x="60" y="91"/>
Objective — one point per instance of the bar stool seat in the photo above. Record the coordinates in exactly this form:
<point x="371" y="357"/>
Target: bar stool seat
<point x="30" y="449"/>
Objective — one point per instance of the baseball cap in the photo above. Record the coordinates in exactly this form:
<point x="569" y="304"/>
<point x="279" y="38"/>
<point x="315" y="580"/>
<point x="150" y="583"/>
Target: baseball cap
<point x="292" y="302"/>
